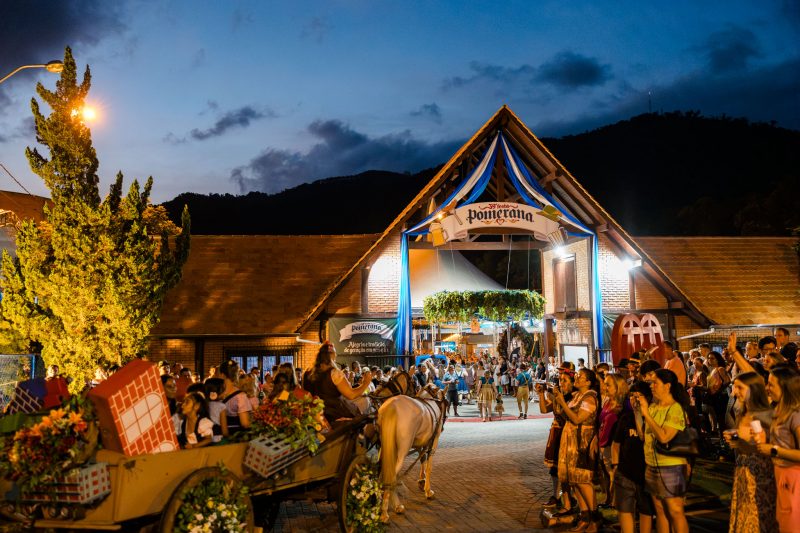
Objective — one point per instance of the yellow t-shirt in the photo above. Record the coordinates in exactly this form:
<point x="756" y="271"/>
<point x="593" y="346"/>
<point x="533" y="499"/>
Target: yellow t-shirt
<point x="671" y="416"/>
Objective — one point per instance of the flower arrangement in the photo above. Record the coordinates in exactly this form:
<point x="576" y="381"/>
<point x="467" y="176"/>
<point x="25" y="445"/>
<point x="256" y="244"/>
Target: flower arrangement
<point x="215" y="505"/>
<point x="364" y="498"/>
<point x="296" y="420"/>
<point x="35" y="455"/>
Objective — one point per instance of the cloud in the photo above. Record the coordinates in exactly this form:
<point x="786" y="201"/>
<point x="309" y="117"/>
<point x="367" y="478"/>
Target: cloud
<point x="565" y="71"/>
<point x="765" y="94"/>
<point x="340" y="151"/>
<point x="38" y="30"/>
<point x="199" y="58"/>
<point x="569" y="70"/>
<point x="431" y="111"/>
<point x="730" y="49"/>
<point x="25" y="130"/>
<point x="237" y="118"/>
<point x="317" y="29"/>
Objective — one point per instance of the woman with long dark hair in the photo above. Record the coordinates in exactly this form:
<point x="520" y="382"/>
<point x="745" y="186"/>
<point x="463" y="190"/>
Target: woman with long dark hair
<point x="553" y="449"/>
<point x="753" y="499"/>
<point x="666" y="477"/>
<point x="578" y="445"/>
<point x="783" y="388"/>
<point x="718" y="381"/>
<point x="327" y="382"/>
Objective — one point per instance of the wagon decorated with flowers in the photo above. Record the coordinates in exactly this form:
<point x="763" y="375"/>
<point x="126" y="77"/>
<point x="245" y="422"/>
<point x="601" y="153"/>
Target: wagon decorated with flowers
<point x="57" y="477"/>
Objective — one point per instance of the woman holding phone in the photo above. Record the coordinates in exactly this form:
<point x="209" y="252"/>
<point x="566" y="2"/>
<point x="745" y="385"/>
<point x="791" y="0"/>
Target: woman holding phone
<point x="666" y="477"/>
<point x="753" y="498"/>
<point x="553" y="448"/>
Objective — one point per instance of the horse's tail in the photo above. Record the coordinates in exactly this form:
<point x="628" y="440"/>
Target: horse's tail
<point x="387" y="422"/>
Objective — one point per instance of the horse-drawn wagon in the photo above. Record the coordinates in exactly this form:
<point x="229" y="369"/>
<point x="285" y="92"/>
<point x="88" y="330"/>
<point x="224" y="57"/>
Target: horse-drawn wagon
<point x="158" y="491"/>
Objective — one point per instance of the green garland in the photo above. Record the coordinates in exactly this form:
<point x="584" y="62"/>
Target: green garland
<point x="498" y="306"/>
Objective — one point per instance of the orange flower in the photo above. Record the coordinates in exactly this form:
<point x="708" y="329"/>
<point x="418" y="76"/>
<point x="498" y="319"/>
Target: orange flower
<point x="57" y="414"/>
<point x="46" y="422"/>
<point x="75" y="418"/>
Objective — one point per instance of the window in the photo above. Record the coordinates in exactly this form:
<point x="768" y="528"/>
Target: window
<point x="264" y="359"/>
<point x="564" y="284"/>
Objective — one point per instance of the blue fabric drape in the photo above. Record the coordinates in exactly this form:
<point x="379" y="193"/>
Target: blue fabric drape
<point x="404" y="339"/>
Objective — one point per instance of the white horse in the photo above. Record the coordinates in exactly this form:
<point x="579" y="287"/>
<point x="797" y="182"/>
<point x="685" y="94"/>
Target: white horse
<point x="407" y="424"/>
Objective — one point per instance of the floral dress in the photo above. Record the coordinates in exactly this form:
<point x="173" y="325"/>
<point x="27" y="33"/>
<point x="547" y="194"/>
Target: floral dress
<point x="754" y="493"/>
<point x="568" y="471"/>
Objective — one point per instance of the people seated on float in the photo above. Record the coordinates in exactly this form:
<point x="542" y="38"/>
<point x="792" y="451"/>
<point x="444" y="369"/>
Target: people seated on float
<point x="214" y="387"/>
<point x="170" y="390"/>
<point x="196" y="428"/>
<point x="237" y="406"/>
<point x="327" y="382"/>
<point x="248" y="385"/>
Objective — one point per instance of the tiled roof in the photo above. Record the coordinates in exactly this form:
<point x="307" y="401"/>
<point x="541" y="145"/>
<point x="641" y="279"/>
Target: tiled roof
<point x="733" y="280"/>
<point x="23" y="205"/>
<point x="255" y="285"/>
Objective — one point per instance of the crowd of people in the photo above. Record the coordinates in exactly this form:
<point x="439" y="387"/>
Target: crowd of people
<point x="618" y="429"/>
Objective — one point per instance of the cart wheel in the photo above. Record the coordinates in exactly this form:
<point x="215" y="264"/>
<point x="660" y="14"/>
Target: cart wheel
<point x="344" y="486"/>
<point x="199" y="477"/>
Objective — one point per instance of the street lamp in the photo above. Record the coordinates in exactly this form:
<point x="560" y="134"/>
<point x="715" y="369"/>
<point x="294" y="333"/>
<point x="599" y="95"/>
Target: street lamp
<point x="51" y="66"/>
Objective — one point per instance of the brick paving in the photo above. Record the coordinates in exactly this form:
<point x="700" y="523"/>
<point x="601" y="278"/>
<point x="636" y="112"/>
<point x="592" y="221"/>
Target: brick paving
<point x="487" y="476"/>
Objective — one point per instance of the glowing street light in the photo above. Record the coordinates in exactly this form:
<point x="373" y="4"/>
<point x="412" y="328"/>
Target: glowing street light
<point x="85" y="113"/>
<point x="51" y="66"/>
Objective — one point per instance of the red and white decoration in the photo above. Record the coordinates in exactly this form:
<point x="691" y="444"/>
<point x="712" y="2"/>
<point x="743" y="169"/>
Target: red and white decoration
<point x="132" y="411"/>
<point x="267" y="456"/>
<point x="83" y="485"/>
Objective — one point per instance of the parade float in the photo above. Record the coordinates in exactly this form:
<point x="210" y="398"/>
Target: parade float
<point x="110" y="460"/>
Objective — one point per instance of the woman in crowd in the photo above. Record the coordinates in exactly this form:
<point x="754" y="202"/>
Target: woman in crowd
<point x="326" y="381"/>
<point x="717" y="398"/>
<point x="576" y="445"/>
<point x="553" y="448"/>
<point x="628" y="466"/>
<point x="214" y="388"/>
<point x="666" y="477"/>
<point x="486" y="395"/>
<point x="237" y="406"/>
<point x="753" y="498"/>
<point x="783" y="387"/>
<point x="615" y="393"/>
<point x="523" y="392"/>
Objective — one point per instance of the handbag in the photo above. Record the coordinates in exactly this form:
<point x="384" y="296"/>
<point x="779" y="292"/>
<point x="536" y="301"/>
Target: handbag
<point x="685" y="443"/>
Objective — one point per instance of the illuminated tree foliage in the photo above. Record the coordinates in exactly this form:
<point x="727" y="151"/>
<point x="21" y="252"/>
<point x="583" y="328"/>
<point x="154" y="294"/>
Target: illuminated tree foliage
<point x="88" y="282"/>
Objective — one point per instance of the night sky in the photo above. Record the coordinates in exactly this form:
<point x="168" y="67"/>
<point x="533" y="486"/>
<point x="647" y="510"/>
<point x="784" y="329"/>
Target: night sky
<point x="240" y="96"/>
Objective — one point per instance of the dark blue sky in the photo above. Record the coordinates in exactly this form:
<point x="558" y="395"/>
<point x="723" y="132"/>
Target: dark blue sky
<point x="239" y="96"/>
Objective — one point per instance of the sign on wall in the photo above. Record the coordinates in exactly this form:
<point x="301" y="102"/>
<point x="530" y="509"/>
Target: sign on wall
<point x="496" y="215"/>
<point x="363" y="336"/>
<point x="632" y="332"/>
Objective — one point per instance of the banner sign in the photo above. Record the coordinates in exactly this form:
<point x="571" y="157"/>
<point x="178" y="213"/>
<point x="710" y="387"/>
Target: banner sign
<point x="363" y="336"/>
<point x="496" y="215"/>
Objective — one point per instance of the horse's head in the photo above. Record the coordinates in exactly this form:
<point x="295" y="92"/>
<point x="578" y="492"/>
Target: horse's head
<point x="431" y="392"/>
<point x="399" y="384"/>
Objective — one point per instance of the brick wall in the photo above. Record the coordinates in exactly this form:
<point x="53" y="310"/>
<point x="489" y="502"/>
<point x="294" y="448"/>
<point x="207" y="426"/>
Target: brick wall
<point x="614" y="277"/>
<point x="348" y="298"/>
<point x="384" y="277"/>
<point x="647" y="296"/>
<point x="173" y="350"/>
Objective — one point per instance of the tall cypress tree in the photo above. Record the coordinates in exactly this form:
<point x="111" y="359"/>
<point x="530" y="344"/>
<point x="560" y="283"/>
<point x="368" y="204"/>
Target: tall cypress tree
<point x="87" y="283"/>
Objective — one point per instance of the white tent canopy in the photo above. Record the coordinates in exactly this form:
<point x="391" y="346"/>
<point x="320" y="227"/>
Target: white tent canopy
<point x="431" y="271"/>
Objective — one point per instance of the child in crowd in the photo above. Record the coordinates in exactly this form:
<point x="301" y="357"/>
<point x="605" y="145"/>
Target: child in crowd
<point x="499" y="407"/>
<point x="196" y="429"/>
<point x="216" y="408"/>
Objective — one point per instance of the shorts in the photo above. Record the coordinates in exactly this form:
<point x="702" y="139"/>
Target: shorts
<point x="666" y="481"/>
<point x="629" y="496"/>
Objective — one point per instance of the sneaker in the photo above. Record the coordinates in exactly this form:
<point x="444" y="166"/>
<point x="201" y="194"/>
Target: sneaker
<point x="525" y="416"/>
<point x="520" y="416"/>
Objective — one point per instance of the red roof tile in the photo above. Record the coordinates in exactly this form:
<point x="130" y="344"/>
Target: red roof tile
<point x="23" y="205"/>
<point x="255" y="285"/>
<point x="733" y="280"/>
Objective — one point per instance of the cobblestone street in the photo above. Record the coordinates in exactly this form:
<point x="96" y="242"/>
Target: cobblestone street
<point x="488" y="477"/>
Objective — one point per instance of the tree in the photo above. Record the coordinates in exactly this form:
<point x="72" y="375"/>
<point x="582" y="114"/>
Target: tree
<point x="89" y="281"/>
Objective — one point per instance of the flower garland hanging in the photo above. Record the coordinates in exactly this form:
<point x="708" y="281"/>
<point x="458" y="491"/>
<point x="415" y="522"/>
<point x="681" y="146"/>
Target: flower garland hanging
<point x="364" y="498"/>
<point x="36" y="455"/>
<point x="498" y="306"/>
<point x="213" y="506"/>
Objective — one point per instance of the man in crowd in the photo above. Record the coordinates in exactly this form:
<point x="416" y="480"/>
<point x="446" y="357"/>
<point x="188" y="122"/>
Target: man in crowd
<point x="163" y="367"/>
<point x="781" y="337"/>
<point x="767" y="344"/>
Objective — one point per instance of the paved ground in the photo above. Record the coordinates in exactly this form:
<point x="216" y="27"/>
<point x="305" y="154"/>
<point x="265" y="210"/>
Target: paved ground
<point x="489" y="477"/>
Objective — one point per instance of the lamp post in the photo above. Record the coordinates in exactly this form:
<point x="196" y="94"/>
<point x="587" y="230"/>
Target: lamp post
<point x="51" y="66"/>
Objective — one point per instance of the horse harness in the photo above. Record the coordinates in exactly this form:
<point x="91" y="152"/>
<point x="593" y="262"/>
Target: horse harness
<point x="426" y="450"/>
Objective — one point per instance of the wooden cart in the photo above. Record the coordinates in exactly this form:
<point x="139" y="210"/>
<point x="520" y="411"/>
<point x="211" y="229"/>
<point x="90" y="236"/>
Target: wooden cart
<point x="146" y="490"/>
